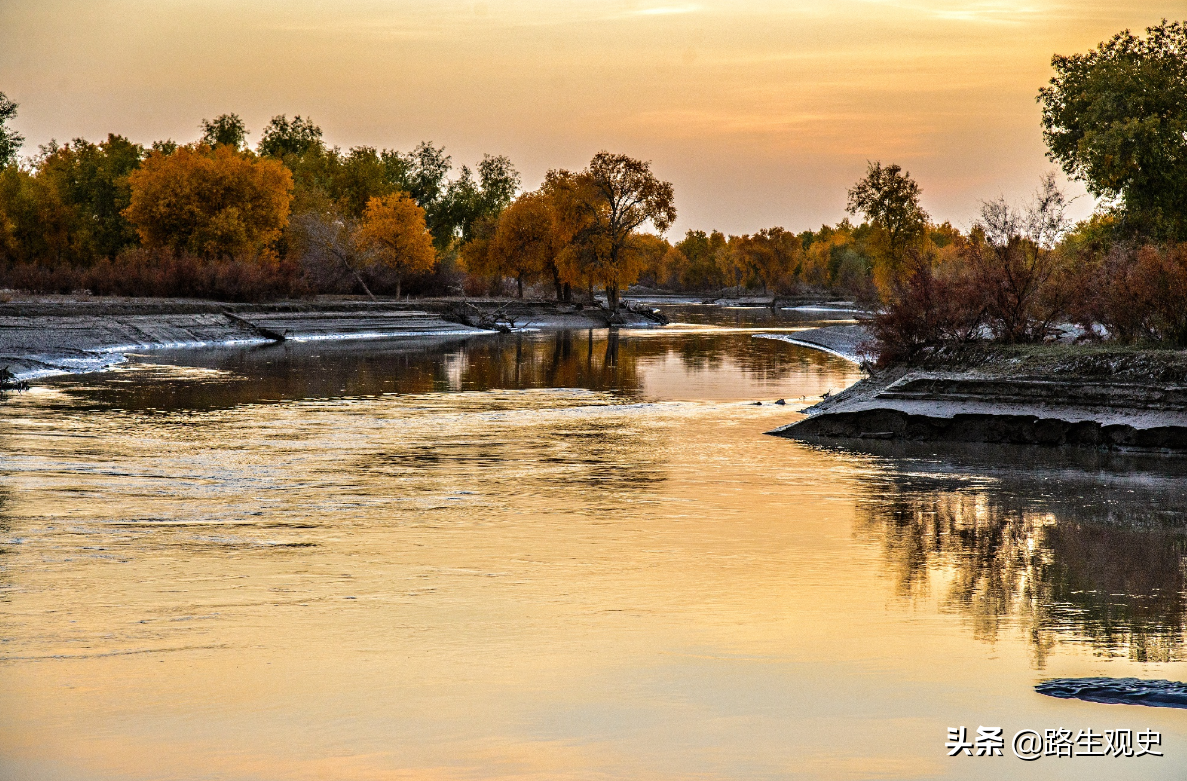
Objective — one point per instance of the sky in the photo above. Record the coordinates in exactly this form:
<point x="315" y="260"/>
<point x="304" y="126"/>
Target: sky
<point x="760" y="113"/>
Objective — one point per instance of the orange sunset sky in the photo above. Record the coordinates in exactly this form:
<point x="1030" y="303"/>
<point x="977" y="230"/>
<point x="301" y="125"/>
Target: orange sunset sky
<point x="761" y="113"/>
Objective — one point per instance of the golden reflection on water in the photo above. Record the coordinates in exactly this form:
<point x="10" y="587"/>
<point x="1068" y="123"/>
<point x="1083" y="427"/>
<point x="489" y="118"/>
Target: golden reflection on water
<point x="483" y="560"/>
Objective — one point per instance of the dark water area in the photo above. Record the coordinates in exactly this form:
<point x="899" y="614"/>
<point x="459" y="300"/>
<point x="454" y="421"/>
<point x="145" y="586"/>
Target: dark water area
<point x="1118" y="691"/>
<point x="558" y="555"/>
<point x="1073" y="546"/>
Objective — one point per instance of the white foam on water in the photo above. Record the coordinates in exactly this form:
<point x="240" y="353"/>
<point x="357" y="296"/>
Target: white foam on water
<point x="102" y="359"/>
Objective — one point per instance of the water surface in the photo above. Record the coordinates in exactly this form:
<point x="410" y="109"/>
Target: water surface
<point x="549" y="555"/>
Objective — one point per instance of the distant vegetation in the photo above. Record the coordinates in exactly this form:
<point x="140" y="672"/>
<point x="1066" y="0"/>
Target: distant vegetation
<point x="214" y="218"/>
<point x="1116" y="119"/>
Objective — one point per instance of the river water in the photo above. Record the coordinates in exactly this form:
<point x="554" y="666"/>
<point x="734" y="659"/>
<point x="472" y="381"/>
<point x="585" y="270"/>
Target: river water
<point x="554" y="556"/>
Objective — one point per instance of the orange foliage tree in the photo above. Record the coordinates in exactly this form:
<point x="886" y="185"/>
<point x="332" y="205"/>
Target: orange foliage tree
<point x="601" y="210"/>
<point x="393" y="232"/>
<point x="526" y="242"/>
<point x="210" y="202"/>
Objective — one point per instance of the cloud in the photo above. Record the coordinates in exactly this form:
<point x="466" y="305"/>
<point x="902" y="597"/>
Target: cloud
<point x="666" y="10"/>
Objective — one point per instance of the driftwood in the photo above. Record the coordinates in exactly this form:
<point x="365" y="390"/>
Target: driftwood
<point x="467" y="313"/>
<point x="267" y="333"/>
<point x="8" y="381"/>
<point x="654" y="315"/>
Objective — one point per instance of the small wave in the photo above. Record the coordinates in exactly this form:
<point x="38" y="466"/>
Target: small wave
<point x="104" y="654"/>
<point x="372" y="335"/>
<point x="1118" y="691"/>
<point x="837" y="309"/>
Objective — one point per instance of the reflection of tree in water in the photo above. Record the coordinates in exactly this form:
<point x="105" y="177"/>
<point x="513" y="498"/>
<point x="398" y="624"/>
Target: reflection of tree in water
<point x="5" y="553"/>
<point x="1064" y="554"/>
<point x="601" y="360"/>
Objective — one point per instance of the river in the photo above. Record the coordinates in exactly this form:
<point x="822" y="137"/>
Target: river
<point x="554" y="556"/>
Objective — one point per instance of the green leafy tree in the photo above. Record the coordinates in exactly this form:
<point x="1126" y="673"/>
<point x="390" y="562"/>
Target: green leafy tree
<point x="166" y="147"/>
<point x="426" y="168"/>
<point x="1116" y="119"/>
<point x="468" y="202"/>
<point x="889" y="198"/>
<point x="91" y="182"/>
<point x="283" y="138"/>
<point x="10" y="140"/>
<point x="225" y="129"/>
<point x="351" y="180"/>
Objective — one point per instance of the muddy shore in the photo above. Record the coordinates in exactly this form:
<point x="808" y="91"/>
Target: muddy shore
<point x="1090" y="396"/>
<point x="46" y="335"/>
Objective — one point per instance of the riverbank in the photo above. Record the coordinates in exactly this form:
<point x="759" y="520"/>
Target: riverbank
<point x="1095" y="396"/>
<point x="845" y="341"/>
<point x="47" y="335"/>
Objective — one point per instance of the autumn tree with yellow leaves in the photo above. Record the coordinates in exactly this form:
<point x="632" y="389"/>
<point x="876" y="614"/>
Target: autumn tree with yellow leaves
<point x="524" y="244"/>
<point x="210" y="202"/>
<point x="393" y="233"/>
<point x="601" y="210"/>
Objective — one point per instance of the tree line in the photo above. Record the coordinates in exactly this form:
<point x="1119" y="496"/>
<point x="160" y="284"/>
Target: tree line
<point x="1114" y="118"/>
<point x="294" y="216"/>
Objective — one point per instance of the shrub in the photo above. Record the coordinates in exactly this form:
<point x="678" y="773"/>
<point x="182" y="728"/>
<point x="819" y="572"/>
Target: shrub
<point x="1024" y="288"/>
<point x="1138" y="294"/>
<point x="927" y="307"/>
<point x="142" y="272"/>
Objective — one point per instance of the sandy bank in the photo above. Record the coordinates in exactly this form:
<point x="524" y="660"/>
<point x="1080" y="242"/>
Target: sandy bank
<point x="1096" y="397"/>
<point x="845" y="341"/>
<point x="54" y="335"/>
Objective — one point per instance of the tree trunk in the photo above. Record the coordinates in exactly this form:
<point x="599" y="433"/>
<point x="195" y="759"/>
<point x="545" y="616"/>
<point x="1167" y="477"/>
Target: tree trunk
<point x="519" y="284"/>
<point x="568" y="293"/>
<point x="611" y="358"/>
<point x="612" y="297"/>
<point x="556" y="281"/>
<point x="399" y="281"/>
<point x="358" y="277"/>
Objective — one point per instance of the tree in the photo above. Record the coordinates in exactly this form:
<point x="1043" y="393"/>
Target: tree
<point x="394" y="233"/>
<point x="468" y="202"/>
<point x="282" y="138"/>
<point x="1021" y="280"/>
<point x="225" y="129"/>
<point x="526" y="243"/>
<point x="10" y="140"/>
<point x="701" y="250"/>
<point x="772" y="256"/>
<point x="889" y="198"/>
<point x="35" y="224"/>
<point x="1116" y="119"/>
<point x="211" y="202"/>
<point x="351" y="180"/>
<point x="604" y="206"/>
<point x="324" y="240"/>
<point x="500" y="182"/>
<point x="426" y="168"/>
<point x="91" y="181"/>
<point x="654" y="251"/>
